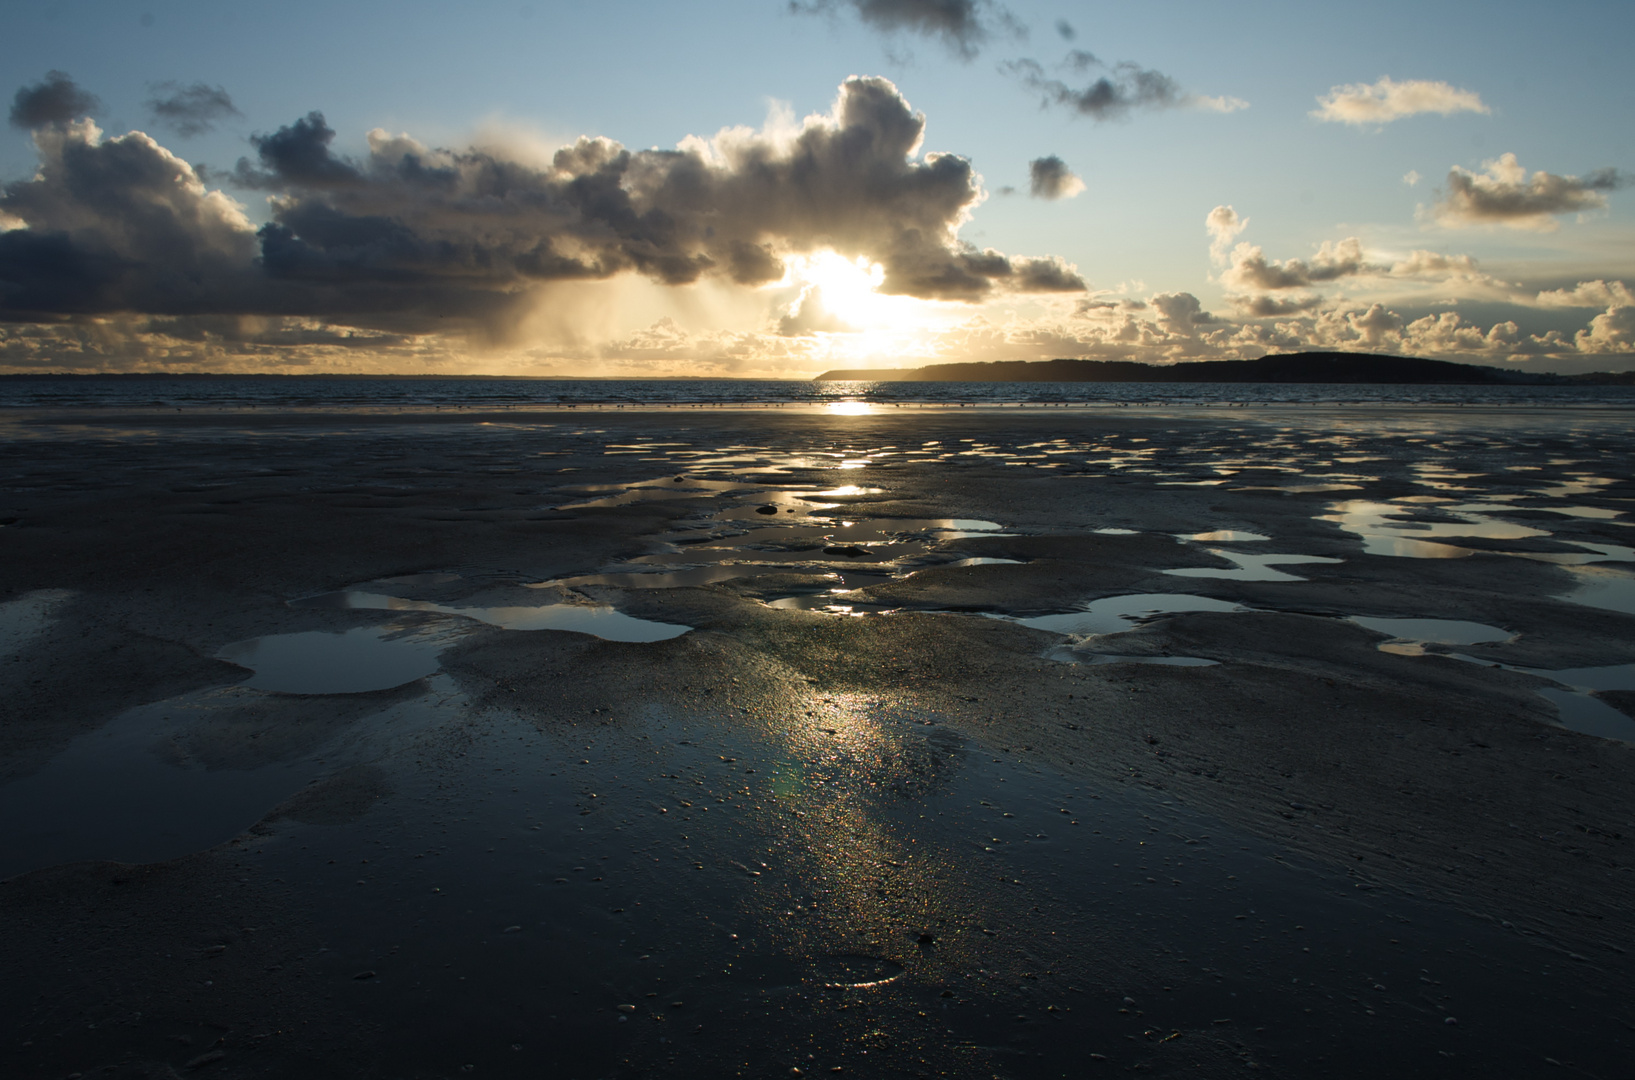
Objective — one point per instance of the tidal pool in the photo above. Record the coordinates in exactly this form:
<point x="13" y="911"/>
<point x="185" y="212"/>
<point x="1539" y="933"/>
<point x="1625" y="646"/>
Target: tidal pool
<point x="354" y="661"/>
<point x="598" y="620"/>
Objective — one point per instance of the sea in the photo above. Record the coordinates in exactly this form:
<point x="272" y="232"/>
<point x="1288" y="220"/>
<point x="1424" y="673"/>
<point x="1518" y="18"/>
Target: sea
<point x="321" y="392"/>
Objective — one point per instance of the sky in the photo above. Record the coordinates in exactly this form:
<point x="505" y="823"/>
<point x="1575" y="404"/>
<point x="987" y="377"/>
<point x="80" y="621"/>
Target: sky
<point x="767" y="188"/>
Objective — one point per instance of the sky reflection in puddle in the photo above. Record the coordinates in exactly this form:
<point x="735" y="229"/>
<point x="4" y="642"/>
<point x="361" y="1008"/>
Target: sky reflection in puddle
<point x="1603" y="587"/>
<point x="1250" y="567"/>
<point x="1410" y="636"/>
<point x="598" y="620"/>
<point x="354" y="661"/>
<point x="1116" y="614"/>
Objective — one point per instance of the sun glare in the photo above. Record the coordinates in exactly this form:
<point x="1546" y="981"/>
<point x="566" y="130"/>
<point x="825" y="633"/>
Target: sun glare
<point x="846" y="286"/>
<point x="850" y="408"/>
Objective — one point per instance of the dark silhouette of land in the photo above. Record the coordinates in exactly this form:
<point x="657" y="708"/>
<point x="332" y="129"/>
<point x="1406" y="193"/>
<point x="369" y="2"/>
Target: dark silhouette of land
<point x="1300" y="367"/>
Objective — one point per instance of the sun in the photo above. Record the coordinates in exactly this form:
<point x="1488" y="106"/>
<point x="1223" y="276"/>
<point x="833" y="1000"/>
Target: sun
<point x="847" y="287"/>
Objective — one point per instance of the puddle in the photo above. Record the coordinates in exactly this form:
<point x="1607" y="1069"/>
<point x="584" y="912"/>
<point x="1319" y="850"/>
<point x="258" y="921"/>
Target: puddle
<point x="1069" y="655"/>
<point x="690" y="577"/>
<point x="1603" y="587"/>
<point x="1410" y="636"/>
<point x="676" y="488"/>
<point x="1576" y="708"/>
<point x="355" y="661"/>
<point x="1116" y="614"/>
<point x="985" y="562"/>
<point x="1250" y="567"/>
<point x="1389" y="529"/>
<point x="1591" y="716"/>
<point x="22" y="619"/>
<point x="752" y="538"/>
<point x="598" y="620"/>
<point x="1393" y="529"/>
<point x="1224" y="536"/>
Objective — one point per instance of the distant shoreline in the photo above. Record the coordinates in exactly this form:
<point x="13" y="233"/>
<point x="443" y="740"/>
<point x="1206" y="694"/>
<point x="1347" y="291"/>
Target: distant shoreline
<point x="1301" y="367"/>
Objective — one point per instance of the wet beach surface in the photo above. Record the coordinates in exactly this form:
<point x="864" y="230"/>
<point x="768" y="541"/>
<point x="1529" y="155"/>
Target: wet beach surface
<point x="943" y="742"/>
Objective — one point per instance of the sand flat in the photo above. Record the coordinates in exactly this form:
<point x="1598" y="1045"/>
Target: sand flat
<point x="872" y="826"/>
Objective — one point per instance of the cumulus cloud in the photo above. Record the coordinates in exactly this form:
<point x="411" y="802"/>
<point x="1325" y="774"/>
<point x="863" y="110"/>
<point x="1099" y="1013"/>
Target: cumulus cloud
<point x="1224" y="226"/>
<point x="1588" y="294"/>
<point x="1251" y="269"/>
<point x="962" y="25"/>
<point x="119" y="225"/>
<point x="1612" y="331"/>
<point x="1503" y="194"/>
<point x="1364" y="104"/>
<point x="1263" y="307"/>
<point x="1181" y="313"/>
<point x="1124" y="88"/>
<point x="53" y="101"/>
<point x="409" y="235"/>
<point x="1050" y="178"/>
<point x="190" y="110"/>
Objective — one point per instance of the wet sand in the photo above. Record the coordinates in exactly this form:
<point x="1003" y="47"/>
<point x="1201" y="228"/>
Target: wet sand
<point x="921" y="792"/>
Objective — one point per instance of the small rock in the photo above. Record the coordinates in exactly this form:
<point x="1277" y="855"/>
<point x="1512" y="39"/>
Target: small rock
<point x="1452" y="1021"/>
<point x="627" y="1008"/>
<point x="512" y="930"/>
<point x="765" y="509"/>
<point x="364" y="975"/>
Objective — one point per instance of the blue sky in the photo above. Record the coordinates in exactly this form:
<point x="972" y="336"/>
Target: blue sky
<point x="1528" y="269"/>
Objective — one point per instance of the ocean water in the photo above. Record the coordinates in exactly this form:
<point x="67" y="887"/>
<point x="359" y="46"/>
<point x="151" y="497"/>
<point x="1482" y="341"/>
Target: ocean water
<point x="340" y="392"/>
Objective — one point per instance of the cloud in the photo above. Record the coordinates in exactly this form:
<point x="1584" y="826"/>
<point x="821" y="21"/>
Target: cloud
<point x="119" y="225"/>
<point x="1224" y="225"/>
<point x="1251" y="269"/>
<point x="1503" y="194"/>
<point x="1044" y="274"/>
<point x="190" y="110"/>
<point x="1588" y="294"/>
<point x="1181" y="313"/>
<point x="1065" y="30"/>
<point x="53" y="101"/>
<point x="1262" y="307"/>
<point x="1050" y="178"/>
<point x="1613" y="331"/>
<point x="1124" y="88"/>
<point x="1362" y="104"/>
<point x="1412" y="178"/>
<point x="962" y="25"/>
<point x="407" y="237"/>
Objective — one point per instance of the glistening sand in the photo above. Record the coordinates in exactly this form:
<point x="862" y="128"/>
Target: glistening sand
<point x="844" y="820"/>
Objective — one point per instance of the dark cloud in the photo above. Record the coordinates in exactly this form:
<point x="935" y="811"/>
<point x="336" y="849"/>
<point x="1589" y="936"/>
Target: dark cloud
<point x="1050" y="178"/>
<point x="1262" y="307"/>
<point x="1121" y="89"/>
<point x="1065" y="29"/>
<point x="297" y="155"/>
<point x="1504" y="194"/>
<point x="1181" y="313"/>
<point x="190" y="110"/>
<point x="54" y="100"/>
<point x="1049" y="274"/>
<point x="406" y="235"/>
<point x="1125" y="88"/>
<point x="961" y="25"/>
<point x="1252" y="270"/>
